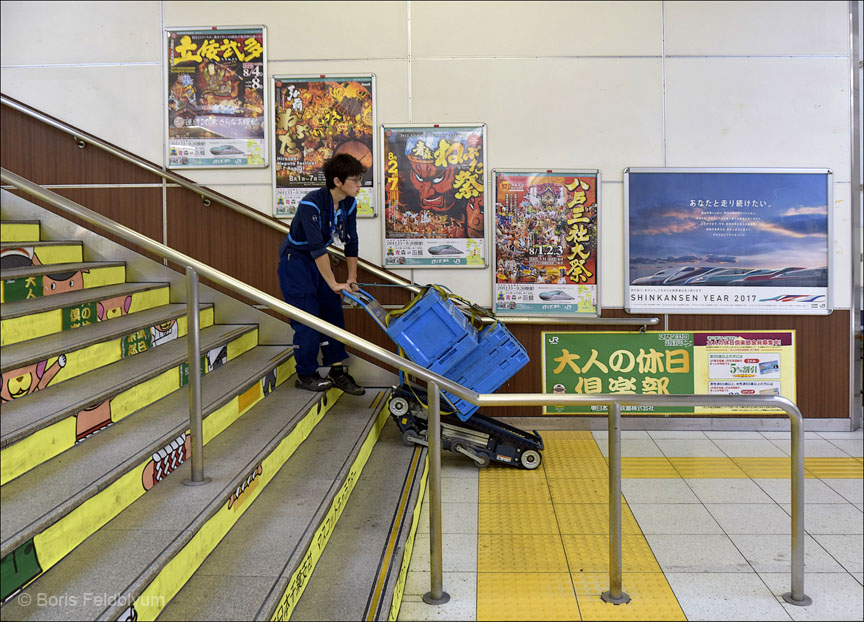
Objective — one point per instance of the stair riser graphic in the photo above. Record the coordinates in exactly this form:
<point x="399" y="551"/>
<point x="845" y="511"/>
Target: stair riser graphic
<point x="12" y="290"/>
<point x="52" y="440"/>
<point x="16" y="330"/>
<point x="56" y="541"/>
<point x="32" y="255"/>
<point x="19" y="232"/>
<point x="300" y="577"/>
<point x="23" y="381"/>
<point x="174" y="575"/>
<point x="399" y="588"/>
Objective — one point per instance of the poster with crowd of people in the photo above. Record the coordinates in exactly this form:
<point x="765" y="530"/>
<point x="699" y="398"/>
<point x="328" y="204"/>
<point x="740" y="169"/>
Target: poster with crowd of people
<point x="215" y="97"/>
<point x="546" y="226"/>
<point x="316" y="118"/>
<point x="434" y="180"/>
<point x="736" y="241"/>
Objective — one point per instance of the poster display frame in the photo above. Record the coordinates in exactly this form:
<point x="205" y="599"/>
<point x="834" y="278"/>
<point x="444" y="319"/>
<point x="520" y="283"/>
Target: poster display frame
<point x="795" y="304"/>
<point x="564" y="314"/>
<point x="430" y="129"/>
<point x="373" y="188"/>
<point x="265" y="148"/>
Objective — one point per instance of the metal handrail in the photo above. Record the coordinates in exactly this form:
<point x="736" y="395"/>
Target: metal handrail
<point x="382" y="273"/>
<point x="614" y="402"/>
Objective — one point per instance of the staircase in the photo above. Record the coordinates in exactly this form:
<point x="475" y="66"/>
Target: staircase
<point x="94" y="446"/>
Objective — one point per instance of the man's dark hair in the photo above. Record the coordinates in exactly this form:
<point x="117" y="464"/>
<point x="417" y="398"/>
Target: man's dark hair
<point x="341" y="166"/>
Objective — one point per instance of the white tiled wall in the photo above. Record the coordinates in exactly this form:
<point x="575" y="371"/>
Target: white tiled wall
<point x="602" y="85"/>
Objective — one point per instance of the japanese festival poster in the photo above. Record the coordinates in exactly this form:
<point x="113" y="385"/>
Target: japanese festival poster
<point x="670" y="363"/>
<point x="546" y="243"/>
<point x="215" y="97"/>
<point x="315" y="119"/>
<point x="735" y="241"/>
<point x="434" y="184"/>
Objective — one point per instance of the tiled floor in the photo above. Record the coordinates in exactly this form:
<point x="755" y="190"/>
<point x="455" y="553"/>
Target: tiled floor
<point x="706" y="523"/>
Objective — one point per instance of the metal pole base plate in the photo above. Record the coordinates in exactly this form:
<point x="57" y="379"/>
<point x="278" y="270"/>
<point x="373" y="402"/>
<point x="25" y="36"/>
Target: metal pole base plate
<point x="427" y="598"/>
<point x="189" y="482"/>
<point x="622" y="600"/>
<point x="804" y="602"/>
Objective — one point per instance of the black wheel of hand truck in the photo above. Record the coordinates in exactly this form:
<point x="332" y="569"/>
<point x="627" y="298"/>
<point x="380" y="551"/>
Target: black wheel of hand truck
<point x="398" y="406"/>
<point x="530" y="459"/>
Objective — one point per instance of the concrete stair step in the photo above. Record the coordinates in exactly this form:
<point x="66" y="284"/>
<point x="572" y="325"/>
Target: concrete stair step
<point x="19" y="230"/>
<point x="31" y="366"/>
<point x="30" y="319"/>
<point x="158" y="541"/>
<point x="370" y="549"/>
<point x="35" y="430"/>
<point x="45" y="252"/>
<point x="60" y="503"/>
<point x="36" y="281"/>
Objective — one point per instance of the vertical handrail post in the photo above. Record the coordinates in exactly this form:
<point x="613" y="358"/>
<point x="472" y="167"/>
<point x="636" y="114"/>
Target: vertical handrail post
<point x="797" y="595"/>
<point x="436" y="594"/>
<point x="193" y="340"/>
<point x="615" y="595"/>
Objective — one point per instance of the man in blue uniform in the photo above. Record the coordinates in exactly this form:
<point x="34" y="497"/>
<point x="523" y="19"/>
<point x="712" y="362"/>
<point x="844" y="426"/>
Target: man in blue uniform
<point x="306" y="277"/>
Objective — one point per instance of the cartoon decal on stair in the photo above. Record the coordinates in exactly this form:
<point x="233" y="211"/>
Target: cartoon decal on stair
<point x="244" y="490"/>
<point x="62" y="282"/>
<point x="19" y="568"/>
<point x="18" y="383"/>
<point x="113" y="307"/>
<point x="92" y="420"/>
<point x="21" y="257"/>
<point x="167" y="460"/>
<point x="130" y="615"/>
<point x="164" y="332"/>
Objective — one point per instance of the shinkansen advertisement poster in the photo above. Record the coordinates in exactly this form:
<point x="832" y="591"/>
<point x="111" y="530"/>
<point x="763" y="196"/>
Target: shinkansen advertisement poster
<point x="734" y="241"/>
<point x="546" y="243"/>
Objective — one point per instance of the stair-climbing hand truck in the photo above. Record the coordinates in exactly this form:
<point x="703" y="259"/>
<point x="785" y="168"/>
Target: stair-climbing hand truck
<point x="436" y="334"/>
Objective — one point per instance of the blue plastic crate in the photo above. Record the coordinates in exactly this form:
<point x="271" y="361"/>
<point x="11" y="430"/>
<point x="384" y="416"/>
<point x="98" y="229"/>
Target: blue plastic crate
<point x="496" y="359"/>
<point x="433" y="332"/>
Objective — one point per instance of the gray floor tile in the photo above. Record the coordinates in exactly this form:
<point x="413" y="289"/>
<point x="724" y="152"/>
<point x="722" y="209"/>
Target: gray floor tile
<point x="859" y="433"/>
<point x="773" y="553"/>
<point x="657" y="491"/>
<point x="734" y="435"/>
<point x="750" y="448"/>
<point x="455" y="518"/>
<point x="462" y="604"/>
<point x="836" y="596"/>
<point x="683" y="448"/>
<point x="850" y="489"/>
<point x="814" y="448"/>
<point x="751" y="518"/>
<point x="859" y="577"/>
<point x="787" y="435"/>
<point x="678" y="518"/>
<point x="815" y="491"/>
<point x="696" y="553"/>
<point x="679" y="434"/>
<point x="852" y="446"/>
<point x="634" y="448"/>
<point x="725" y="596"/>
<point x="458" y="552"/>
<point x="846" y="549"/>
<point x="458" y="489"/>
<point x="831" y="518"/>
<point x="728" y="491"/>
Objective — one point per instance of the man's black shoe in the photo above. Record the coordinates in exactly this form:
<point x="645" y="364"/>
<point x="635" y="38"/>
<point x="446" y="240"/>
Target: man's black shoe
<point x="313" y="382"/>
<point x="342" y="380"/>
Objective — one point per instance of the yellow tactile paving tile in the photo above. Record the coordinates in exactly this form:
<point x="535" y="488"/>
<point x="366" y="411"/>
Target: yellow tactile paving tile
<point x="592" y="518"/>
<point x="834" y="468"/>
<point x="526" y="596"/>
<point x="496" y="475"/>
<point x="525" y="553"/>
<point x="765" y="468"/>
<point x="514" y="490"/>
<point x="575" y="490"/>
<point x="590" y="553"/>
<point x="651" y="597"/>
<point x="707" y="468"/>
<point x="653" y="468"/>
<point x="569" y="469"/>
<point x="517" y="519"/>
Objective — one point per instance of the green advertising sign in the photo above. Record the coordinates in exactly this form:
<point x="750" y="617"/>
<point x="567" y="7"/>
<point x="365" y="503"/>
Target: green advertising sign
<point x="79" y="315"/>
<point x="22" y="289"/>
<point x="139" y="341"/>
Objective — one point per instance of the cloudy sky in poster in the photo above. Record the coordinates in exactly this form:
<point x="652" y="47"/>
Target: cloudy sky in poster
<point x="746" y="220"/>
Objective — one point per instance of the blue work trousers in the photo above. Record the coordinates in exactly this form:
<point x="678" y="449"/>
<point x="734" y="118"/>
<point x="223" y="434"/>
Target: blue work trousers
<point x="304" y="287"/>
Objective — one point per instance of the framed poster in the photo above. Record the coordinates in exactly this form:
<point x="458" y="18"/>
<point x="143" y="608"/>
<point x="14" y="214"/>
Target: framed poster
<point x="546" y="243"/>
<point x="434" y="194"/>
<point x="215" y="97"/>
<point x="315" y="118"/>
<point x="670" y="363"/>
<point x="736" y="241"/>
